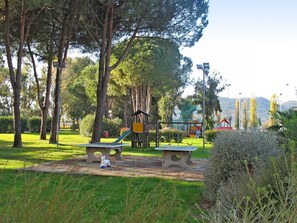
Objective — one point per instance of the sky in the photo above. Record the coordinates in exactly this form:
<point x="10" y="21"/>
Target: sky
<point x="253" y="44"/>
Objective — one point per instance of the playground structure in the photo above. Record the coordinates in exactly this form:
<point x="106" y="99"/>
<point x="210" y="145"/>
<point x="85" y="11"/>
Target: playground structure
<point x="191" y="129"/>
<point x="224" y="125"/>
<point x="140" y="130"/>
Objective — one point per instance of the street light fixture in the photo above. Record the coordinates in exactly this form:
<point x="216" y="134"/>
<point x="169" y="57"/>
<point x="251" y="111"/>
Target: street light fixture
<point x="205" y="68"/>
<point x="59" y="66"/>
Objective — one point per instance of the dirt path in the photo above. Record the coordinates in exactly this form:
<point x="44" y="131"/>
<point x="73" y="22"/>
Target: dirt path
<point x="130" y="166"/>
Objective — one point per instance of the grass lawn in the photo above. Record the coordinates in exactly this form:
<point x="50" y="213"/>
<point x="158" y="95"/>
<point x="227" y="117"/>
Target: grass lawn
<point x="27" y="196"/>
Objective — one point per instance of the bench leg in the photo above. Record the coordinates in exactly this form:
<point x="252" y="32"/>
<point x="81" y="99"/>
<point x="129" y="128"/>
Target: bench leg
<point x="189" y="161"/>
<point x="118" y="154"/>
<point x="179" y="158"/>
<point x="92" y="158"/>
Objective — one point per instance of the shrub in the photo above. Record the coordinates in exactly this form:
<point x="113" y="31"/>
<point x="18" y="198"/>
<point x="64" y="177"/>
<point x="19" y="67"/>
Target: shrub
<point x="267" y="196"/>
<point x="230" y="150"/>
<point x="211" y="134"/>
<point x="6" y="124"/>
<point x="152" y="134"/>
<point x="34" y="124"/>
<point x="171" y="135"/>
<point x="87" y="124"/>
<point x="111" y="125"/>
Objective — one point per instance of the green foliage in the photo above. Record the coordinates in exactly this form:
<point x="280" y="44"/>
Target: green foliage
<point x="289" y="122"/>
<point x="269" y="195"/>
<point x="152" y="134"/>
<point x="171" y="135"/>
<point x="113" y="126"/>
<point x="45" y="197"/>
<point x="187" y="108"/>
<point x="6" y="124"/>
<point x="211" y="134"/>
<point x="87" y="125"/>
<point x="231" y="149"/>
<point x="286" y="125"/>
<point x="79" y="80"/>
<point x="35" y="122"/>
<point x="214" y="84"/>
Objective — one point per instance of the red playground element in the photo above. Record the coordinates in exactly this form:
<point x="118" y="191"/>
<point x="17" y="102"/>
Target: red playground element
<point x="224" y="125"/>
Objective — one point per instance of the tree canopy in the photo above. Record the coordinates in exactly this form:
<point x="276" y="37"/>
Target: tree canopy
<point x="47" y="29"/>
<point x="214" y="84"/>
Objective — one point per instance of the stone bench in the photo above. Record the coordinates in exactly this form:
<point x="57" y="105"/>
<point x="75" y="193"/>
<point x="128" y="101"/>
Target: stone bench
<point x="104" y="149"/>
<point x="176" y="155"/>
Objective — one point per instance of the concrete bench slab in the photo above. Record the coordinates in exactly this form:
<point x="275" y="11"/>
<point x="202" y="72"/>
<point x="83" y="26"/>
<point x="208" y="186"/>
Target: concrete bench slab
<point x="176" y="155"/>
<point x="104" y="149"/>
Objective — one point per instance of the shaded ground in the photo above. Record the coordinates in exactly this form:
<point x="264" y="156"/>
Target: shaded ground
<point x="130" y="166"/>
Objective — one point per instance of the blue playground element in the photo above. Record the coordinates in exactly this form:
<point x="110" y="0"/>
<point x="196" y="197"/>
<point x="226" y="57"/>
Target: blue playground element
<point x="123" y="136"/>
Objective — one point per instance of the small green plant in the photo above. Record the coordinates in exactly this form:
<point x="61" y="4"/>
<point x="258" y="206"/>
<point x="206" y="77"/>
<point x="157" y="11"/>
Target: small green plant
<point x="231" y="149"/>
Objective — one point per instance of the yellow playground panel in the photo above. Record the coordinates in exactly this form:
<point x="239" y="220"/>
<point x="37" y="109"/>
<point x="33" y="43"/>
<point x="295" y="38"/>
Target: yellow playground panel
<point x="137" y="127"/>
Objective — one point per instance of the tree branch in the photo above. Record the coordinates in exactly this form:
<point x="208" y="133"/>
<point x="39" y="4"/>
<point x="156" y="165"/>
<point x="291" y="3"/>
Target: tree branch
<point x="127" y="48"/>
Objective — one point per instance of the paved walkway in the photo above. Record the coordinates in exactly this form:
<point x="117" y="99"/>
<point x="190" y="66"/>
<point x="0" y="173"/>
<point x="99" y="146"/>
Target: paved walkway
<point x="130" y="166"/>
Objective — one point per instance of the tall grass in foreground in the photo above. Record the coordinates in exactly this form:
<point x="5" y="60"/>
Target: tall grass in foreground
<point x="36" y="197"/>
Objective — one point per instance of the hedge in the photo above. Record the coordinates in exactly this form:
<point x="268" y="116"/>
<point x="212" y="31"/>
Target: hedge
<point x="32" y="124"/>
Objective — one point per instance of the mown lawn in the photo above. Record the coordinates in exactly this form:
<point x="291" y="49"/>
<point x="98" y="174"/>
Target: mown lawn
<point x="27" y="196"/>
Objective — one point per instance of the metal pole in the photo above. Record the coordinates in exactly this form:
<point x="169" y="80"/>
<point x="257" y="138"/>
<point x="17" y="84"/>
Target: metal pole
<point x="203" y="107"/>
<point x="59" y="106"/>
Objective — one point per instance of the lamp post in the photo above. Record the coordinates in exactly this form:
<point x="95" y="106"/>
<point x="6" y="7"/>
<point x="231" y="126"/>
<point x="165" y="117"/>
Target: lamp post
<point x="59" y="66"/>
<point x="205" y="68"/>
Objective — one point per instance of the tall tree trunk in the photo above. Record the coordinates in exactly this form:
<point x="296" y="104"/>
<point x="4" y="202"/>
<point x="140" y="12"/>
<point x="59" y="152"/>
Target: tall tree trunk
<point x="46" y="103"/>
<point x="143" y="97"/>
<point x="102" y="75"/>
<point x="126" y="111"/>
<point x="43" y="106"/>
<point x="136" y="98"/>
<point x="62" y="55"/>
<point x="133" y="99"/>
<point x="104" y="66"/>
<point x="56" y="115"/>
<point x="15" y="76"/>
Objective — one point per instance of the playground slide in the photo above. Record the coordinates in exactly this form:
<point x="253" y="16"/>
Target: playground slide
<point x="123" y="136"/>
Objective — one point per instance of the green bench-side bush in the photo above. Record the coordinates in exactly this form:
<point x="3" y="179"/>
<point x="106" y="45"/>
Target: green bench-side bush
<point x="231" y="150"/>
